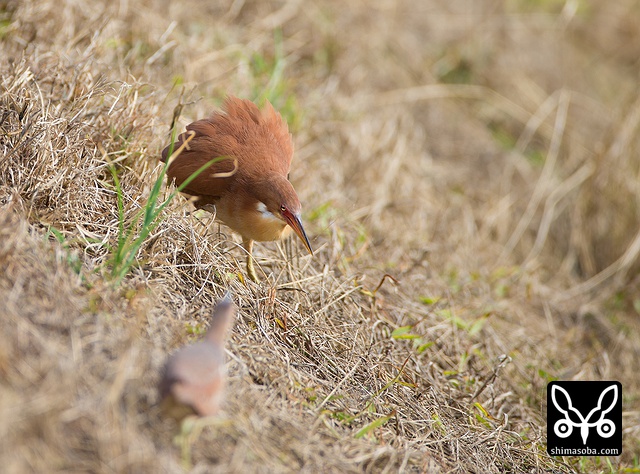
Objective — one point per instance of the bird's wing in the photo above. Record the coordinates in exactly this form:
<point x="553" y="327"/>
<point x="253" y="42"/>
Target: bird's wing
<point x="207" y="144"/>
<point x="258" y="140"/>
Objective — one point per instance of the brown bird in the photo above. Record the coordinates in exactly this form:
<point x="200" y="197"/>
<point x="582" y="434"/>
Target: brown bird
<point x="193" y="378"/>
<point x="257" y="200"/>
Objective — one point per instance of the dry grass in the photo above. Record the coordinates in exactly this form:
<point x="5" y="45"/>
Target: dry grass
<point x="482" y="153"/>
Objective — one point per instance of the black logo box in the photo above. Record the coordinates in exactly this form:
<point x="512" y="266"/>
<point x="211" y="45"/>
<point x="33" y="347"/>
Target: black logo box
<point x="584" y="417"/>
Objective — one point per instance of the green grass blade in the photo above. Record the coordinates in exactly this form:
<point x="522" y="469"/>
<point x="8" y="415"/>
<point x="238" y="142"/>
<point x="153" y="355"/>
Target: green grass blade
<point x="373" y="425"/>
<point x="127" y="249"/>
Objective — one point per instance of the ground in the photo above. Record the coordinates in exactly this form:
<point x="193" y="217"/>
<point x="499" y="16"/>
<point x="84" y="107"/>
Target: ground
<point x="469" y="177"/>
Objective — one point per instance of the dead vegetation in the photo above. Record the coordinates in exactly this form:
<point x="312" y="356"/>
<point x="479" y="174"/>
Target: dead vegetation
<point x="483" y="154"/>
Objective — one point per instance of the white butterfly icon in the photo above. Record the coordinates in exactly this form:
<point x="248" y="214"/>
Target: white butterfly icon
<point x="564" y="427"/>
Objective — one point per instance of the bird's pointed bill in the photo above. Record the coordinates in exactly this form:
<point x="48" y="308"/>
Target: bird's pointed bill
<point x="296" y="224"/>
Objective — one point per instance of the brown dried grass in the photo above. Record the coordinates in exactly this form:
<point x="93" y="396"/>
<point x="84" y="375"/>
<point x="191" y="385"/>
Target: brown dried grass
<point x="496" y="181"/>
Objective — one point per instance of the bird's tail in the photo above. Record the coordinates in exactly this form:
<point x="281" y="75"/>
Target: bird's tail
<point x="221" y="320"/>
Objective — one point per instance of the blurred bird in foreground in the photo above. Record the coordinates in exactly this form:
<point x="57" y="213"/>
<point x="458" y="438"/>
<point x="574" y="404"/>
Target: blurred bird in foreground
<point x="251" y="194"/>
<point x="193" y="378"/>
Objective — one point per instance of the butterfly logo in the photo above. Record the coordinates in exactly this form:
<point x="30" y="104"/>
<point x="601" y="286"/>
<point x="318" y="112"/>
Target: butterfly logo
<point x="573" y="418"/>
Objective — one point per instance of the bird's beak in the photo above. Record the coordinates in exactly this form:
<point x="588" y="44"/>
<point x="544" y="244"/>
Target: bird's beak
<point x="296" y="224"/>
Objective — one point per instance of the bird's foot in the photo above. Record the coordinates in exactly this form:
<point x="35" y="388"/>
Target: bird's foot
<point x="209" y="208"/>
<point x="251" y="272"/>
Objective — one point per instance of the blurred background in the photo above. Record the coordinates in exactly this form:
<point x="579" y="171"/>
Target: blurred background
<point x="483" y="153"/>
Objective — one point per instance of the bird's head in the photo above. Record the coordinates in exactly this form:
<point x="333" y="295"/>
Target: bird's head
<point x="278" y="198"/>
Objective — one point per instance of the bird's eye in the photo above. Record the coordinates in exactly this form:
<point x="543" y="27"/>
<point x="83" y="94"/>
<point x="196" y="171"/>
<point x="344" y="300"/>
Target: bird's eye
<point x="283" y="208"/>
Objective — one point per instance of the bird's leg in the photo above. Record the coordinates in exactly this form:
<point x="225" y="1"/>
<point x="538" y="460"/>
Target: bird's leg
<point x="248" y="246"/>
<point x="210" y="208"/>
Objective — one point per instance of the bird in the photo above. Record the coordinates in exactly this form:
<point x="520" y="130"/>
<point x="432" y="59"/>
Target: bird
<point x="193" y="378"/>
<point x="249" y="190"/>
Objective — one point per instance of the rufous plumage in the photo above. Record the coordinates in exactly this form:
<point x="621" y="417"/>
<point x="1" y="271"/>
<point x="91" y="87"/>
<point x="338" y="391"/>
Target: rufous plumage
<point x="249" y="186"/>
